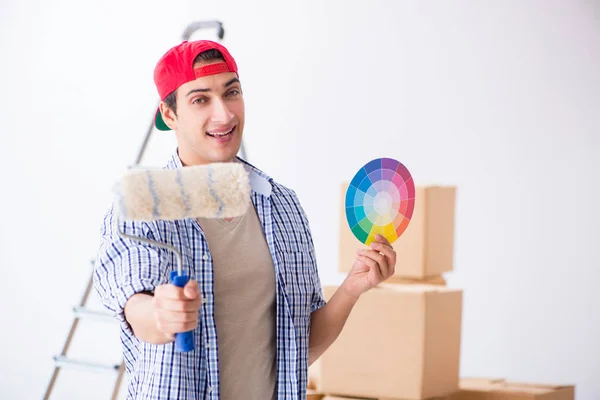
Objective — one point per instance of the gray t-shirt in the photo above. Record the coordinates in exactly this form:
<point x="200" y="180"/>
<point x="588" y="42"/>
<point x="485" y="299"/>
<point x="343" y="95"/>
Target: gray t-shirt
<point x="244" y="306"/>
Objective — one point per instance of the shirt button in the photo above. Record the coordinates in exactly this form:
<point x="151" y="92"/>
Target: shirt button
<point x="205" y="257"/>
<point x="204" y="300"/>
<point x="210" y="389"/>
<point x="208" y="345"/>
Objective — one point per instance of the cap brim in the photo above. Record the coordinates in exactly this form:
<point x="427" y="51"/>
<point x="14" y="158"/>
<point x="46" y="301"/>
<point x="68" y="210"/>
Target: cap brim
<point x="159" y="123"/>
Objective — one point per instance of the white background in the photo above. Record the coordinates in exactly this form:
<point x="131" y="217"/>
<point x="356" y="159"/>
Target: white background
<point x="500" y="98"/>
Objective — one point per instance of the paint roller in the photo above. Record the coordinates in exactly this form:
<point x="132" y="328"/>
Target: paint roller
<point x="217" y="190"/>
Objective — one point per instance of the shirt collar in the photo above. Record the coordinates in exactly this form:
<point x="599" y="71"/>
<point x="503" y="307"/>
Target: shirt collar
<point x="260" y="182"/>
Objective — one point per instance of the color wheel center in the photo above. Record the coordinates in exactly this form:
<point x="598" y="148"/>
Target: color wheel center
<point x="383" y="203"/>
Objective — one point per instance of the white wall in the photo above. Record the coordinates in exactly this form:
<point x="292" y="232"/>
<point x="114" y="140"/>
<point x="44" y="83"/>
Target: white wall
<point x="499" y="98"/>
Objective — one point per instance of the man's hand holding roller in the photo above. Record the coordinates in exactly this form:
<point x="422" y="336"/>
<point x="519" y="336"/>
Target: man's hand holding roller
<point x="157" y="318"/>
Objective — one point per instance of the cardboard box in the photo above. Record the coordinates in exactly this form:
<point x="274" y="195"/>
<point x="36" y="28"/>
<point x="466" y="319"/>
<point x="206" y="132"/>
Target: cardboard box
<point x="313" y="395"/>
<point x="426" y="248"/>
<point x="430" y="280"/>
<point x="500" y="389"/>
<point x="333" y="397"/>
<point x="399" y="342"/>
<point x="364" y="398"/>
<point x="314" y="375"/>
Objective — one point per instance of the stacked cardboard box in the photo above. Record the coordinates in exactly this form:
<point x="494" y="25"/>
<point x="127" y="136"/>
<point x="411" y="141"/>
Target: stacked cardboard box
<point x="500" y="389"/>
<point x="402" y="339"/>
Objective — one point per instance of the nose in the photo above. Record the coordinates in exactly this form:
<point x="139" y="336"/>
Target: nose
<point x="220" y="112"/>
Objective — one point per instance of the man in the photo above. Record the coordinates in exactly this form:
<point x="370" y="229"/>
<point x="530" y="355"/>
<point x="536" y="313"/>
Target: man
<point x="255" y="305"/>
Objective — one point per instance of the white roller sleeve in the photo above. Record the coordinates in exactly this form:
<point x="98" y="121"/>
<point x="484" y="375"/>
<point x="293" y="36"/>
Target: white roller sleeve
<point x="218" y="190"/>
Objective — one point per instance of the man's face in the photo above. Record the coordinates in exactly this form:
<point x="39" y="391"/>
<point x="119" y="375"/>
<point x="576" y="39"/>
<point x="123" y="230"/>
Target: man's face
<point x="210" y="118"/>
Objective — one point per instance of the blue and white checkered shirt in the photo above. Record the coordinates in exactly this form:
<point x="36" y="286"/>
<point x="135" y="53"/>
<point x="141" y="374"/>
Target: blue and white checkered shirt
<point x="124" y="267"/>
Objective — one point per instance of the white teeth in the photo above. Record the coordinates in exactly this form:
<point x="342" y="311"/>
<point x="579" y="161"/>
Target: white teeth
<point x="220" y="134"/>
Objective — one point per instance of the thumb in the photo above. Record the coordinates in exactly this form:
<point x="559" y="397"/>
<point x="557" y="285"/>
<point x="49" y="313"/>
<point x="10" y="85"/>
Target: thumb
<point x="190" y="290"/>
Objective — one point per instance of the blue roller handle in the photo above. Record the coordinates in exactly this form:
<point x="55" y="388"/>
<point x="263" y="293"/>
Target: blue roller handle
<point x="184" y="341"/>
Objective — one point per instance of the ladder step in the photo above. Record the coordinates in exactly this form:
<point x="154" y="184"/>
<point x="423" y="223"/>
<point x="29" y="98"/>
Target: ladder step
<point x="63" y="361"/>
<point x="82" y="312"/>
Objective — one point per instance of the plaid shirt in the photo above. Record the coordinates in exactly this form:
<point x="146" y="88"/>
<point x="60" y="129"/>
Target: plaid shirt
<point x="124" y="268"/>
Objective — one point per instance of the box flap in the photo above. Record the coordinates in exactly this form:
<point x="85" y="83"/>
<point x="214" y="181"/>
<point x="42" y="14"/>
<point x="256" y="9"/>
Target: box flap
<point x="330" y="397"/>
<point x="499" y="385"/>
<point x="472" y="382"/>
<point x="415" y="288"/>
<point x="532" y="387"/>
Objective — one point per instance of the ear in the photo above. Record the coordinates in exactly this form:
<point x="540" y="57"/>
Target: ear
<point x="168" y="115"/>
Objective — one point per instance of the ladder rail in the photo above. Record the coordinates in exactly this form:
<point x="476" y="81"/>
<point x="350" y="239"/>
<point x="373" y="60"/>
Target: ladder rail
<point x="67" y="343"/>
<point x="118" y="382"/>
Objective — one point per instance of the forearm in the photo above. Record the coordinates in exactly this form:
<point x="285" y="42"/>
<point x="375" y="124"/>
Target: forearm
<point x="327" y="323"/>
<point x="139" y="313"/>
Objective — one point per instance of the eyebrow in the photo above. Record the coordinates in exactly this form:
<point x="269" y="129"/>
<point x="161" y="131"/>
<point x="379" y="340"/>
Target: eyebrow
<point x="203" y="90"/>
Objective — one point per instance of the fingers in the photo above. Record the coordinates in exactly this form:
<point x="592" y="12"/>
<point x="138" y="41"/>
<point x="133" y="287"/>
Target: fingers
<point x="383" y="240"/>
<point x="377" y="260"/>
<point x="169" y="291"/>
<point x="171" y="322"/>
<point x="171" y="328"/>
<point x="388" y="252"/>
<point x="173" y="317"/>
<point x="381" y="257"/>
<point x="190" y="289"/>
<point x="184" y="305"/>
<point x="176" y="316"/>
<point x="372" y="259"/>
<point x="176" y="309"/>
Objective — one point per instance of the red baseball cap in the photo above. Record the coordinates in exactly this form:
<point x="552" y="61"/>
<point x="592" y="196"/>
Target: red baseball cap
<point x="176" y="67"/>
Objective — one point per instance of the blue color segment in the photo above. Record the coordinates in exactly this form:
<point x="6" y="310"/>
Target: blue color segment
<point x="359" y="213"/>
<point x="350" y="195"/>
<point x="365" y="184"/>
<point x="373" y="165"/>
<point x="351" y="217"/>
<point x="360" y="175"/>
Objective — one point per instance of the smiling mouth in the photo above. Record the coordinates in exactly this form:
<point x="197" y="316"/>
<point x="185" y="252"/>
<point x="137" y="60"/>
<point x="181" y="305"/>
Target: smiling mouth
<point x="221" y="134"/>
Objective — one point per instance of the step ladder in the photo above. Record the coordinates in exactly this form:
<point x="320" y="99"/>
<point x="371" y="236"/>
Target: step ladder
<point x="63" y="361"/>
<point x="81" y="312"/>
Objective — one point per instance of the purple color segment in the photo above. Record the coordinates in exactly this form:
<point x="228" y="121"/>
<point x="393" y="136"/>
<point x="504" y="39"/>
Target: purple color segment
<point x="387" y="174"/>
<point x="375" y="176"/>
<point x="389" y="163"/>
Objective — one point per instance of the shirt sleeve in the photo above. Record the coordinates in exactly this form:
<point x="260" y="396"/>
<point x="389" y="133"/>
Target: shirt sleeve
<point x="318" y="300"/>
<point x="124" y="267"/>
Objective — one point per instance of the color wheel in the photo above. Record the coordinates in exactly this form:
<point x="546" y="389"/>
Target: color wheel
<point x="380" y="199"/>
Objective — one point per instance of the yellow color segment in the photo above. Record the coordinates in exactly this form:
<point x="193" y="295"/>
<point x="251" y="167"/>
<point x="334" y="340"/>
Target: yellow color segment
<point x="388" y="231"/>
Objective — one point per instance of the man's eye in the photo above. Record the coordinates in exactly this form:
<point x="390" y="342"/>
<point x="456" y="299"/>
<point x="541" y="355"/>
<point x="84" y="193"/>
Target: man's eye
<point x="200" y="100"/>
<point x="233" y="92"/>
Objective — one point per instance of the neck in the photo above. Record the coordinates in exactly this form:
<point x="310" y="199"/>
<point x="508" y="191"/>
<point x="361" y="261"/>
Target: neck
<point x="188" y="160"/>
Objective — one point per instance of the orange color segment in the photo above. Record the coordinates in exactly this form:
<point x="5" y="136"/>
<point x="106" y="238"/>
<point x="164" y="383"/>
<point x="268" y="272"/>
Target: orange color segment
<point x="403" y="225"/>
